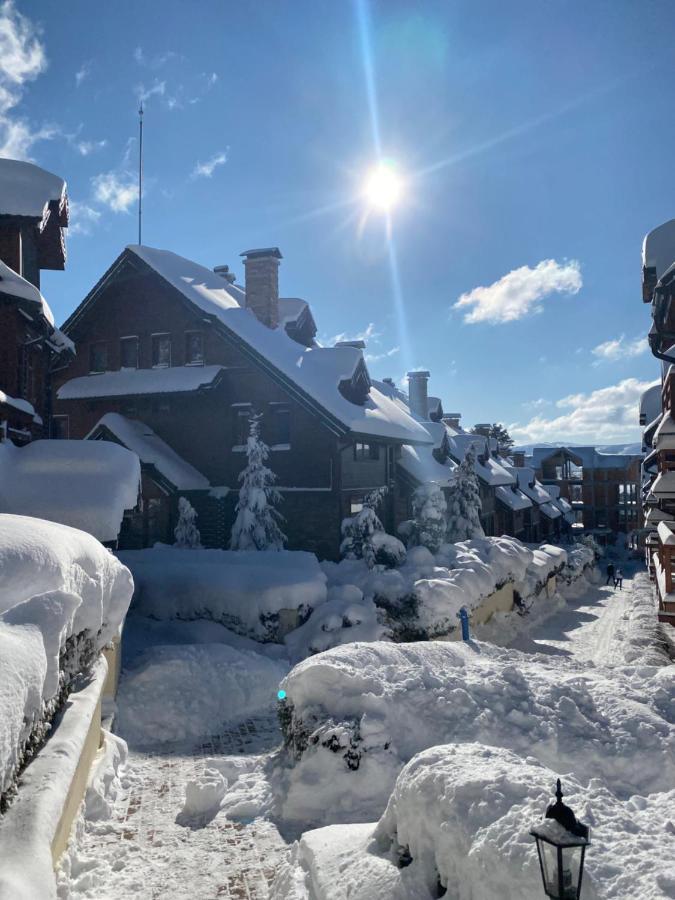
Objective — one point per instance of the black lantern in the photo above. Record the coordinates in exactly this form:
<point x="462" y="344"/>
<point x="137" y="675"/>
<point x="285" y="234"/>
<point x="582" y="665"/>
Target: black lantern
<point x="561" y="845"/>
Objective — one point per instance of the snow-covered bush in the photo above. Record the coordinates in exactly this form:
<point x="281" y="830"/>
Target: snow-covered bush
<point x="256" y="526"/>
<point x="63" y="597"/>
<point x="391" y="701"/>
<point x="464" y="504"/>
<point x="428" y="526"/>
<point x="246" y="591"/>
<point x="589" y="541"/>
<point x="186" y="532"/>
<point x="364" y="537"/>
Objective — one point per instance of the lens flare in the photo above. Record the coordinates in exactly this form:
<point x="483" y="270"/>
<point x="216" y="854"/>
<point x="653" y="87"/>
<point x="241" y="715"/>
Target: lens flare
<point x="383" y="188"/>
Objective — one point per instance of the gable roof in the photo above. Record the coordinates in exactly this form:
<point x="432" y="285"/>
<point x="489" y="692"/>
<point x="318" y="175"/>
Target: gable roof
<point x="152" y="451"/>
<point x="27" y="190"/>
<point x="136" y="382"/>
<point x="312" y="375"/>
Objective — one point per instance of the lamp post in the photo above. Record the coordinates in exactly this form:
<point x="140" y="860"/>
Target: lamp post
<point x="561" y="846"/>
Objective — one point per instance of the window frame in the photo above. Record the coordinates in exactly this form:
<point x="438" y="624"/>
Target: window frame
<point x="192" y="333"/>
<point x="280" y="438"/>
<point x="366" y="452"/>
<point x="92" y="346"/>
<point x="153" y="337"/>
<point x="66" y="435"/>
<point x="127" y="339"/>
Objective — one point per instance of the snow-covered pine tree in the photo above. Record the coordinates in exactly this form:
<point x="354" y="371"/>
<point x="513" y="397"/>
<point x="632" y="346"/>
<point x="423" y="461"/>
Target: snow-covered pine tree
<point x="358" y="530"/>
<point x="429" y="524"/>
<point x="256" y="526"/>
<point x="464" y="504"/>
<point x="186" y="532"/>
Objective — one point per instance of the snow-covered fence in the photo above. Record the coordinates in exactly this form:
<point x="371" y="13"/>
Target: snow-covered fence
<point x="63" y="597"/>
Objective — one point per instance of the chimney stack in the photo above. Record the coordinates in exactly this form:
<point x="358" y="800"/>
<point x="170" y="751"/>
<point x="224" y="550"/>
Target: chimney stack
<point x="224" y="272"/>
<point x="518" y="457"/>
<point x="262" y="284"/>
<point x="483" y="428"/>
<point x="418" y="394"/>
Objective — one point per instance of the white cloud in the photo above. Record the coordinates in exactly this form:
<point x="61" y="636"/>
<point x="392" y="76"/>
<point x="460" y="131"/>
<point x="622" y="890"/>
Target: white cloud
<point x="206" y="169"/>
<point x="376" y="357"/>
<point x="619" y="348"/>
<point x="602" y="416"/>
<point x="153" y="62"/>
<point x="143" y="93"/>
<point x="22" y="59"/>
<point x="84" y="148"/>
<point x="539" y="403"/>
<point x="368" y="334"/>
<point x="83" y="73"/>
<point x="520" y="293"/>
<point x="82" y="217"/>
<point x="118" y="191"/>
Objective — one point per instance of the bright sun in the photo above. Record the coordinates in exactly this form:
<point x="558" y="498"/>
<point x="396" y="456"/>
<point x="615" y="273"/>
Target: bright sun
<point x="383" y="187"/>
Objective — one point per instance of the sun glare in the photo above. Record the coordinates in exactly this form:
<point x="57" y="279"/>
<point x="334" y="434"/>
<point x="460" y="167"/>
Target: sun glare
<point x="383" y="187"/>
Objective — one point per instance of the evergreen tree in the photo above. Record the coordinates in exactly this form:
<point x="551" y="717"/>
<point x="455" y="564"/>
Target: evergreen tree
<point x="358" y="530"/>
<point x="464" y="504"/>
<point x="256" y="526"/>
<point x="186" y="532"/>
<point x="429" y="524"/>
<point x="499" y="432"/>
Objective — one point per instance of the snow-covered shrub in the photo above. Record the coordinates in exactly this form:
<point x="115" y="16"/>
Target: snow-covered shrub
<point x="256" y="526"/>
<point x="186" y="532"/>
<point x="364" y="537"/>
<point x="428" y="526"/>
<point x="63" y="597"/>
<point x="246" y="591"/>
<point x="589" y="541"/>
<point x="464" y="504"/>
<point x="403" y="698"/>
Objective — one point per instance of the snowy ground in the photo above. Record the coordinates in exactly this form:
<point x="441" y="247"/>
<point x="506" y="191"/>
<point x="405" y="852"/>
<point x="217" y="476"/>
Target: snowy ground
<point x="155" y="847"/>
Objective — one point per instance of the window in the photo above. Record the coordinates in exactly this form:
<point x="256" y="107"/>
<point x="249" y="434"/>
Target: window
<point x="161" y="351"/>
<point x="129" y="353"/>
<point x="194" y="348"/>
<point x="355" y="505"/>
<point x="366" y="452"/>
<point x="98" y="357"/>
<point x="241" y="424"/>
<point x="280" y="425"/>
<point x="60" y="428"/>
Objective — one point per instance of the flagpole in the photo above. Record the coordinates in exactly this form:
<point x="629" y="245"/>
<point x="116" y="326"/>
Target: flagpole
<point x="140" y="169"/>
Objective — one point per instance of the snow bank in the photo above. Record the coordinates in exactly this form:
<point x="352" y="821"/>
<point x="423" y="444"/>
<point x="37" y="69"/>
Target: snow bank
<point x="459" y="818"/>
<point x="63" y="597"/>
<point x="183" y="692"/>
<point x="243" y="590"/>
<point x="84" y="484"/>
<point x="356" y="714"/>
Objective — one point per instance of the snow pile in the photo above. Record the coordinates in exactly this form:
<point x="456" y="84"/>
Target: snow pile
<point x="354" y="715"/>
<point x="459" y="818"/>
<point x="246" y="591"/>
<point x="177" y="693"/>
<point x="62" y="598"/>
<point x="84" y="484"/>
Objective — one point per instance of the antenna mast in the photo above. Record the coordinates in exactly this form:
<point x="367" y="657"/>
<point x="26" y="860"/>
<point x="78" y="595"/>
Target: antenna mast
<point x="140" y="168"/>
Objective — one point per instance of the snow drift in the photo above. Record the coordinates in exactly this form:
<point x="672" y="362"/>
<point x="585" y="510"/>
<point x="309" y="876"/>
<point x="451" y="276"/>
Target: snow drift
<point x="244" y="591"/>
<point x="63" y="597"/>
<point x="356" y="714"/>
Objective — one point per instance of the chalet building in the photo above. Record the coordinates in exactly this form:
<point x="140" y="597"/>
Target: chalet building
<point x="173" y="358"/>
<point x="657" y="414"/>
<point x="602" y="488"/>
<point x="33" y="216"/>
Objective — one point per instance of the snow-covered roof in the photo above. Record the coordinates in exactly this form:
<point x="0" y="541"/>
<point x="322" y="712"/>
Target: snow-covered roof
<point x="589" y="457"/>
<point x="316" y="371"/>
<point x="512" y="497"/>
<point x="658" y="248"/>
<point x="550" y="511"/>
<point x="13" y="285"/>
<point x="491" y="472"/>
<point x="290" y="309"/>
<point x="131" y="382"/>
<point x="650" y="402"/>
<point x="664" y="485"/>
<point x="666" y="535"/>
<point x="152" y="450"/>
<point x="664" y="436"/>
<point x="27" y="190"/>
<point x="84" y="484"/>
<point x="424" y="467"/>
<point x="529" y="485"/>
<point x="18" y="403"/>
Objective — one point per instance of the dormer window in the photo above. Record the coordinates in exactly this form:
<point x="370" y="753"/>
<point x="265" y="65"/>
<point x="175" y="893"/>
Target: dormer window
<point x="357" y="388"/>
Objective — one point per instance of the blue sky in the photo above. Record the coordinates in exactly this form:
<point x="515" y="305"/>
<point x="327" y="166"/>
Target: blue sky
<point x="534" y="139"/>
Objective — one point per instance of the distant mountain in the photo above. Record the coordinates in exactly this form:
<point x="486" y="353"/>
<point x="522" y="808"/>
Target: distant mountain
<point x="623" y="449"/>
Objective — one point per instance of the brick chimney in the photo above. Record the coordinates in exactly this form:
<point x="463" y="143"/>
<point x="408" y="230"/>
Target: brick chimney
<point x="418" y="394"/>
<point x="483" y="428"/>
<point x="451" y="419"/>
<point x="518" y="457"/>
<point x="262" y="284"/>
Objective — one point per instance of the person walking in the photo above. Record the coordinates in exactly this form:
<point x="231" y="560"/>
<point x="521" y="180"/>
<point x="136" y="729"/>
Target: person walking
<point x="610" y="573"/>
<point x="618" y="579"/>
